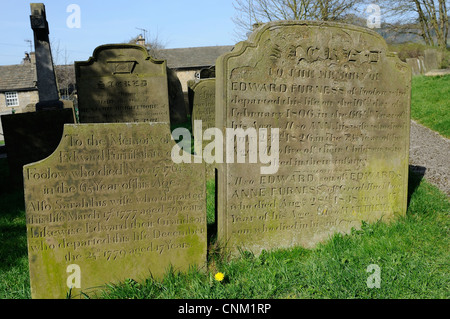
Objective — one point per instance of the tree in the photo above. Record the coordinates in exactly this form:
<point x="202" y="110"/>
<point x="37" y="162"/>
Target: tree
<point x="251" y="13"/>
<point x="426" y="18"/>
<point x="65" y="72"/>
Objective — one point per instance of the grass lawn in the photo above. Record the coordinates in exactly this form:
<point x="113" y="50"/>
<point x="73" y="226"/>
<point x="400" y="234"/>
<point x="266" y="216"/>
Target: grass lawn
<point x="14" y="278"/>
<point x="412" y="254"/>
<point x="430" y="102"/>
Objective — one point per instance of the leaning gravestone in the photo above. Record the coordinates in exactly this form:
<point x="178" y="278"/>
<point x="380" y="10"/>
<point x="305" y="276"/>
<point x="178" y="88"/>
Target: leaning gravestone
<point x="341" y="102"/>
<point x="109" y="204"/>
<point x="122" y="83"/>
<point x="202" y="94"/>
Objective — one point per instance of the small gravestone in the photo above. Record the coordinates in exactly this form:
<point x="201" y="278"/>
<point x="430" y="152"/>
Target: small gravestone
<point x="122" y="83"/>
<point x="432" y="59"/>
<point x="108" y="205"/>
<point x="32" y="136"/>
<point x="208" y="73"/>
<point x="341" y="103"/>
<point x="202" y="94"/>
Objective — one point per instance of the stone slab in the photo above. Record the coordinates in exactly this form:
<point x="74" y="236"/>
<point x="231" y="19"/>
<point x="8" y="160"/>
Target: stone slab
<point x="121" y="83"/>
<point x="202" y="96"/>
<point x="432" y="59"/>
<point x="341" y="102"/>
<point x="46" y="77"/>
<point x="108" y="205"/>
<point x="33" y="136"/>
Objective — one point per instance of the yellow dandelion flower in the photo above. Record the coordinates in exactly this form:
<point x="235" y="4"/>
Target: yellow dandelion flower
<point x="219" y="276"/>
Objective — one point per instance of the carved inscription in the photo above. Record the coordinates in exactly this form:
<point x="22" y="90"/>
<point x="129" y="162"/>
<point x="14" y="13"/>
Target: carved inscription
<point x="342" y="108"/>
<point x="112" y="88"/>
<point x="111" y="201"/>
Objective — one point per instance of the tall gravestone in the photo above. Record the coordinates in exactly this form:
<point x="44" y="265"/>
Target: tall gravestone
<point x="341" y="102"/>
<point x="202" y="94"/>
<point x="122" y="83"/>
<point x="35" y="135"/>
<point x="109" y="204"/>
<point x="46" y="76"/>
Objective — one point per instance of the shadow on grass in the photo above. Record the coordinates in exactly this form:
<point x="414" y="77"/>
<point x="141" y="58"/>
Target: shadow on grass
<point x="416" y="174"/>
<point x="12" y="221"/>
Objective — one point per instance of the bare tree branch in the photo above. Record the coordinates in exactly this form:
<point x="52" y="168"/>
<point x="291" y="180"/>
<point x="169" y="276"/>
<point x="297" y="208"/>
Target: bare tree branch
<point x="251" y="12"/>
<point x="430" y="17"/>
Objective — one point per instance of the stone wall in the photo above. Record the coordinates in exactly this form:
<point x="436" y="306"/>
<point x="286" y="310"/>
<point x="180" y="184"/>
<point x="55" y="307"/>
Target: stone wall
<point x="25" y="98"/>
<point x="185" y="77"/>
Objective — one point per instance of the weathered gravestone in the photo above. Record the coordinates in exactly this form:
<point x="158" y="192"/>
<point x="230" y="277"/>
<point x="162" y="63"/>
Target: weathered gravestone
<point x="122" y="83"/>
<point x="202" y="94"/>
<point x="341" y="102"/>
<point x="110" y="204"/>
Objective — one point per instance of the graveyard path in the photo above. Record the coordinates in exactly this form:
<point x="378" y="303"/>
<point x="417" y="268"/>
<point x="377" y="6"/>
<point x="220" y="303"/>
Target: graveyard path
<point x="430" y="154"/>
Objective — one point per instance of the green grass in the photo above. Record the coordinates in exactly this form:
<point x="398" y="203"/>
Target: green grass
<point x="14" y="277"/>
<point x="430" y="102"/>
<point x="411" y="252"/>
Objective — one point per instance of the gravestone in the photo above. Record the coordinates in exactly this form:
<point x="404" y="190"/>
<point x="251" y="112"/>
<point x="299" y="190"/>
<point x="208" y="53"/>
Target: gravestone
<point x="208" y="73"/>
<point x="417" y="65"/>
<point x="34" y="135"/>
<point x="202" y="94"/>
<point x="108" y="205"/>
<point x="46" y="77"/>
<point x="122" y="83"/>
<point x="341" y="103"/>
<point x="432" y="59"/>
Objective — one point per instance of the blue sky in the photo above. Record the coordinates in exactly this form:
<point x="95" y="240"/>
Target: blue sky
<point x="177" y="23"/>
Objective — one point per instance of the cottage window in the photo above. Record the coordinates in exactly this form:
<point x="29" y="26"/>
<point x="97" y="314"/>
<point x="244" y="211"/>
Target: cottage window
<point x="12" y="99"/>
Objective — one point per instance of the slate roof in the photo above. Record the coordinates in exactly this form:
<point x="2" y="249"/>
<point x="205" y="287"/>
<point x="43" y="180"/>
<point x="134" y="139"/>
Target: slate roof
<point x="197" y="57"/>
<point x="22" y="77"/>
<point x="19" y="77"/>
